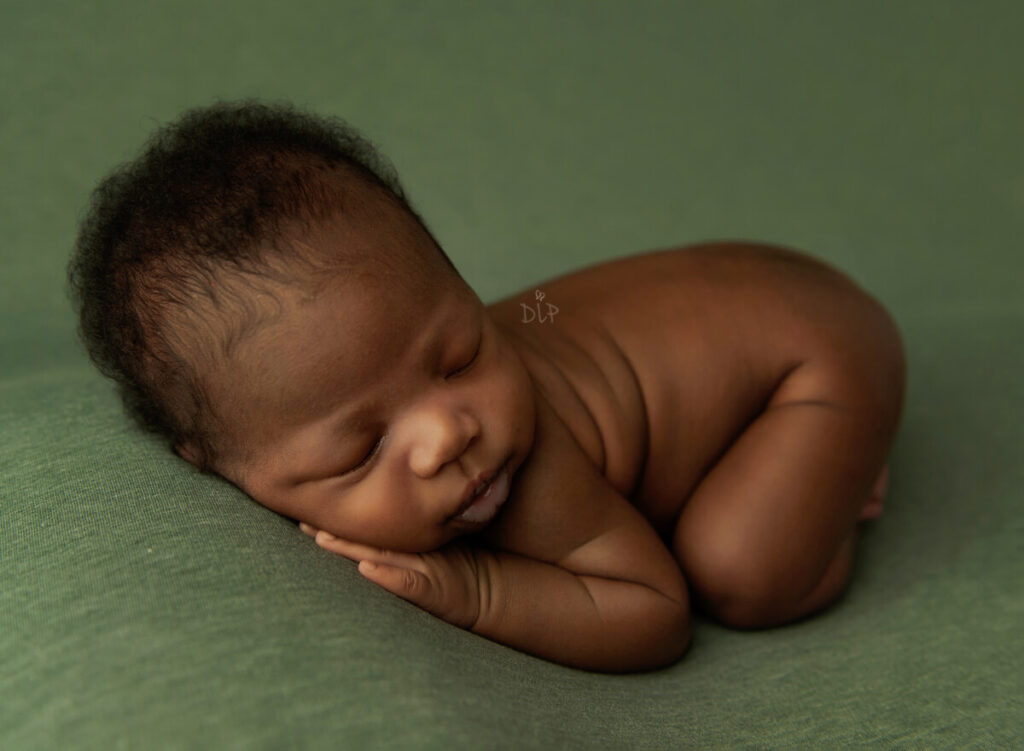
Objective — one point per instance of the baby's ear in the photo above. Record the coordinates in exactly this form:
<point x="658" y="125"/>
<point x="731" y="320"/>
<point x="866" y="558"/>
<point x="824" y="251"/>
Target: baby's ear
<point x="187" y="452"/>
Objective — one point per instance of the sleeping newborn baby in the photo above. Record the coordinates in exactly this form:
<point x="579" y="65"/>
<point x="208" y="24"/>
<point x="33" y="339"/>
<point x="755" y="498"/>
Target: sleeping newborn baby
<point x="563" y="471"/>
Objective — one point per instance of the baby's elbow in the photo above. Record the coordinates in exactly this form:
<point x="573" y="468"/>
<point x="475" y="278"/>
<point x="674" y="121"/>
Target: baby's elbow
<point x="681" y="627"/>
<point x="680" y="636"/>
<point x="670" y="609"/>
<point x="661" y="635"/>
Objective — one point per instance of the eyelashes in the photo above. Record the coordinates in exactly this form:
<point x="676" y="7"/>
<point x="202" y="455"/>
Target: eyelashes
<point x="462" y="369"/>
<point x="366" y="458"/>
<point x="369" y="455"/>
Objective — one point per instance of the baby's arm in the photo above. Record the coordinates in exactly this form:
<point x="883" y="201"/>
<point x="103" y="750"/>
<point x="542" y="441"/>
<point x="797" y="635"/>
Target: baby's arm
<point x="590" y="621"/>
<point x="575" y="575"/>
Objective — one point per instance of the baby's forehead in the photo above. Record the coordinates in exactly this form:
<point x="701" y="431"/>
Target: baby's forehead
<point x="374" y="303"/>
<point x="368" y="268"/>
<point x="348" y="340"/>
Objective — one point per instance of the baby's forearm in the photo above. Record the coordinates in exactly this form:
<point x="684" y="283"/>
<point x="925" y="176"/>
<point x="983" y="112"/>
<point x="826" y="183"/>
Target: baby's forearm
<point x="583" y="621"/>
<point x="585" y="618"/>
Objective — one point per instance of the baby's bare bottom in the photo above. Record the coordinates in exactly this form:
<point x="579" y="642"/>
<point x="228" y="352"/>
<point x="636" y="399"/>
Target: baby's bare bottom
<point x="768" y="537"/>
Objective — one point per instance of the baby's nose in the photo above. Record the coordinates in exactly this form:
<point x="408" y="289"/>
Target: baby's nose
<point x="441" y="438"/>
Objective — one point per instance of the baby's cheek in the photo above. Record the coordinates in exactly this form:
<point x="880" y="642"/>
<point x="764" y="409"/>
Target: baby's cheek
<point x="523" y="387"/>
<point x="520" y="408"/>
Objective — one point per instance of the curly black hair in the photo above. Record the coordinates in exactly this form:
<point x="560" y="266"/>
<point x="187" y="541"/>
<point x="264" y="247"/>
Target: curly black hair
<point x="211" y="191"/>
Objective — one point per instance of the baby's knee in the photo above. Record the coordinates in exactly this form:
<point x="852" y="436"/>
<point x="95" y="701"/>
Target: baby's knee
<point x="742" y="590"/>
<point x="727" y="587"/>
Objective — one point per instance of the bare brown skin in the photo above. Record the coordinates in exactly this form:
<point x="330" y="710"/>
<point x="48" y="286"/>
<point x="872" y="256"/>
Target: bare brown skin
<point x="711" y="421"/>
<point x="743" y="397"/>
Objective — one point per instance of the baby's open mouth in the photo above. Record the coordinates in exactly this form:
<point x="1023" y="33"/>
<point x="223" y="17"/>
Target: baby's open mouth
<point x="482" y="506"/>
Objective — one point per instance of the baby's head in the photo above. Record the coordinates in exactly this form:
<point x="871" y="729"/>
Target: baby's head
<point x="267" y="300"/>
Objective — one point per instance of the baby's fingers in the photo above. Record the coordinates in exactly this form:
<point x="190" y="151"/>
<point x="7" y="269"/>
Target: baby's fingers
<point x="419" y="587"/>
<point x="428" y="581"/>
<point x="359" y="552"/>
<point x="408" y="583"/>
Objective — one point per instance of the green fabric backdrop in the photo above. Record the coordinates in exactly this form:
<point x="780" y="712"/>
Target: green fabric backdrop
<point x="144" y="606"/>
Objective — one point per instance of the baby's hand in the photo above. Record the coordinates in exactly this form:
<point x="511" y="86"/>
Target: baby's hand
<point x="444" y="582"/>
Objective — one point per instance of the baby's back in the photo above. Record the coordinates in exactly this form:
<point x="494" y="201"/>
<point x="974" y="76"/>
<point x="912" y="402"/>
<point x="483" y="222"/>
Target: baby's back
<point x="657" y="362"/>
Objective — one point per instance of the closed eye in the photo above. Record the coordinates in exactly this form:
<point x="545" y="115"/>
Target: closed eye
<point x="463" y="368"/>
<point x="366" y="459"/>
